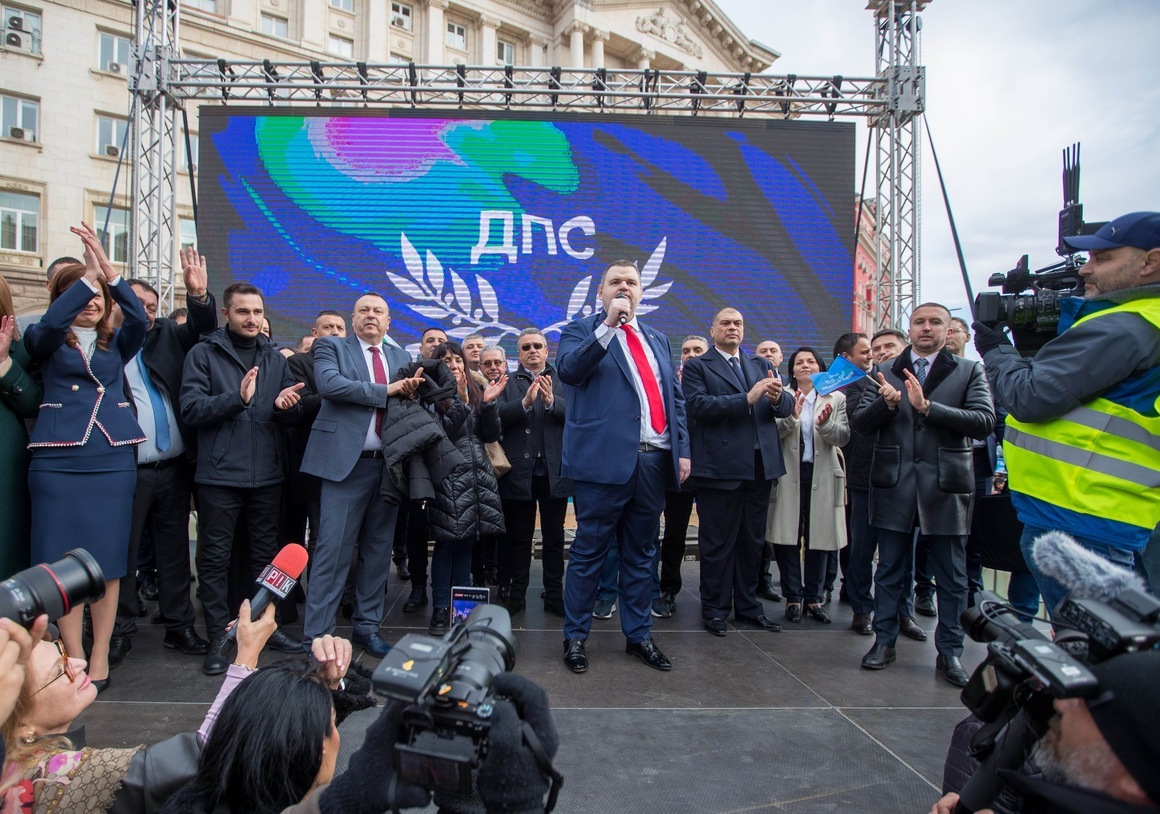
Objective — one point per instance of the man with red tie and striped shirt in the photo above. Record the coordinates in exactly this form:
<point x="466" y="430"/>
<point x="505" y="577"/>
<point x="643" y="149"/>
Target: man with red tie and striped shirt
<point x="625" y="440"/>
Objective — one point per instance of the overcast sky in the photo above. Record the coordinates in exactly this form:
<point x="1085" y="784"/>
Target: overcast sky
<point x="1009" y="85"/>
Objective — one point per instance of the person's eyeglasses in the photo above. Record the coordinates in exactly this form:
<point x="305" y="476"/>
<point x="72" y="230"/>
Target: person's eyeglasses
<point x="67" y="668"/>
<point x="956" y="331"/>
<point x="530" y="345"/>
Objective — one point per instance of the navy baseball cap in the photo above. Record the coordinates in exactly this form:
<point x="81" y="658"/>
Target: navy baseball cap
<point x="1139" y="229"/>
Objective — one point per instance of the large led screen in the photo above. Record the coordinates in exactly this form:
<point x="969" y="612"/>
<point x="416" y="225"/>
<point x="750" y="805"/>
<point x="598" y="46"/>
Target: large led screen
<point x="493" y="223"/>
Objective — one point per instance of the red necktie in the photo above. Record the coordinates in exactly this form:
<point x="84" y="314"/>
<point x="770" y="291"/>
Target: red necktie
<point x="656" y="406"/>
<point x="380" y="378"/>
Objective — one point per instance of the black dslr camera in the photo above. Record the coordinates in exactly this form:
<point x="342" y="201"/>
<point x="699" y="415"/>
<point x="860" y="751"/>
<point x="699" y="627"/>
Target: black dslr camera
<point x="1013" y="689"/>
<point x="1030" y="302"/>
<point x="53" y="589"/>
<point x="448" y="683"/>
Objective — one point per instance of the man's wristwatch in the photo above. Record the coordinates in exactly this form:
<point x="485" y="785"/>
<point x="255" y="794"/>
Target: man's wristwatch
<point x="926" y="408"/>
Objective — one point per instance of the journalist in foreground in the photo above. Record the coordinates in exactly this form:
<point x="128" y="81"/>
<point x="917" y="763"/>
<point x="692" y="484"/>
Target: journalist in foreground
<point x="1082" y="442"/>
<point x="1100" y="754"/>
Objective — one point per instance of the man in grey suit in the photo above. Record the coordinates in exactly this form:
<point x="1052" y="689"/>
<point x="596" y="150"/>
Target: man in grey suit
<point x="353" y="377"/>
<point x="928" y="406"/>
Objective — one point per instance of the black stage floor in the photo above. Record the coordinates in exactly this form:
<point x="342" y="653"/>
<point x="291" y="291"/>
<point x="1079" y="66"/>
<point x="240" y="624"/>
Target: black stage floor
<point x="753" y="722"/>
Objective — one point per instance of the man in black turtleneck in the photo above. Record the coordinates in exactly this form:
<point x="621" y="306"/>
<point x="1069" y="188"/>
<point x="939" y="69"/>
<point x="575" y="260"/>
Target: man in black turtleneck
<point x="236" y="389"/>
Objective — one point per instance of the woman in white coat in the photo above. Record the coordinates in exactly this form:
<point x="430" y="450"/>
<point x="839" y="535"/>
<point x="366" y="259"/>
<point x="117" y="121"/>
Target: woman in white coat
<point x="808" y="505"/>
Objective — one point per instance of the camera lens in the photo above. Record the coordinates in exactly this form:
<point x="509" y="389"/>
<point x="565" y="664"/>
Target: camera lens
<point x="52" y="589"/>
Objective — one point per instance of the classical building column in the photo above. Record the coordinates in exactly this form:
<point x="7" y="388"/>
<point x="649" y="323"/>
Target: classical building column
<point x="487" y="26"/>
<point x="644" y="59"/>
<point x="435" y="32"/>
<point x="598" y="39"/>
<point x="313" y="22"/>
<point x="378" y="28"/>
<point x="536" y="45"/>
<point x="576" y="45"/>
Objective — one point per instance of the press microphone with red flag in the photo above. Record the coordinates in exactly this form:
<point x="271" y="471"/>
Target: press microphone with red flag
<point x="276" y="581"/>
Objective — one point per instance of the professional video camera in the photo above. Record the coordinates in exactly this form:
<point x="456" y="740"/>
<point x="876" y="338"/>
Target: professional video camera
<point x="448" y="683"/>
<point x="52" y="589"/>
<point x="1106" y="613"/>
<point x="1030" y="302"/>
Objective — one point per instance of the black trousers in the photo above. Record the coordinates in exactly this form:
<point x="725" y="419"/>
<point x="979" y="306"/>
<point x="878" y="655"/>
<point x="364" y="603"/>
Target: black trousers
<point x="417" y="536"/>
<point x="798" y="583"/>
<point x="516" y="555"/>
<point x="161" y="505"/>
<point x="730" y="537"/>
<point x="678" y="510"/>
<point x="219" y="509"/>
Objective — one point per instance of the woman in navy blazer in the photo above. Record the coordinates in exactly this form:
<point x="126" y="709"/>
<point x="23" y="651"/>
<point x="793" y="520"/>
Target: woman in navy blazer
<point x="84" y="467"/>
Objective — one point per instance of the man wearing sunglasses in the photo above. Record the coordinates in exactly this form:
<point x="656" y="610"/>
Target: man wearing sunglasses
<point x="532" y="414"/>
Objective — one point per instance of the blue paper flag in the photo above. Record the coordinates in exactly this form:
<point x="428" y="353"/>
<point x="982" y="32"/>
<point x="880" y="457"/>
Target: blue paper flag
<point x="841" y="373"/>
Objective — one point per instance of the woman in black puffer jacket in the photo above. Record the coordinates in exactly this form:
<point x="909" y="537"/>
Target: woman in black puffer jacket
<point x="467" y="507"/>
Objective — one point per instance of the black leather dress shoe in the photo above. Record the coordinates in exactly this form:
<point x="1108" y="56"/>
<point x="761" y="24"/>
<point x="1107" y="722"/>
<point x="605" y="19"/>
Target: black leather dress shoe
<point x="147" y="587"/>
<point x="284" y="643"/>
<point x="766" y="590"/>
<point x="924" y="605"/>
<point x="670" y="601"/>
<point x="574" y="656"/>
<point x="911" y="629"/>
<point x="186" y="640"/>
<point x="861" y="624"/>
<point x="650" y="654"/>
<point x="762" y="622"/>
<point x="119" y="647"/>
<point x="818" y="613"/>
<point x="373" y="643"/>
<point x="403" y="571"/>
<point x="879" y="656"/>
<point x="216" y="660"/>
<point x="416" y="601"/>
<point x="440" y="621"/>
<point x="554" y="607"/>
<point x="793" y="611"/>
<point x="716" y="626"/>
<point x="102" y="684"/>
<point x="951" y="670"/>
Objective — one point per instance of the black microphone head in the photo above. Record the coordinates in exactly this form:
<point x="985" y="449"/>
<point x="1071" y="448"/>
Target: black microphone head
<point x="1085" y="574"/>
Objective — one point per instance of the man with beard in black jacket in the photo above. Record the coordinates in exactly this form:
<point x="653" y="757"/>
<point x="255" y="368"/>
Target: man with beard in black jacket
<point x="236" y="391"/>
<point x="1099" y="755"/>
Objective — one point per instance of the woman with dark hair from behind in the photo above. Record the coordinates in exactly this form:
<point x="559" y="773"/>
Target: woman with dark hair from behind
<point x="467" y="507"/>
<point x="808" y="507"/>
<point x="20" y="397"/>
<point x="83" y="470"/>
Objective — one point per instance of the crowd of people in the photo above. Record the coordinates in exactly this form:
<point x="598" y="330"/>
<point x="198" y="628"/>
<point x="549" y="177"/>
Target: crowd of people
<point x="343" y="441"/>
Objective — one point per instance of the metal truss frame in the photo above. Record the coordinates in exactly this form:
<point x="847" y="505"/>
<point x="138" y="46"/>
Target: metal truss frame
<point x="889" y="101"/>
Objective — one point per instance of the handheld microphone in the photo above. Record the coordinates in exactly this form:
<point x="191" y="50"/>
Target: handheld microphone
<point x="1084" y="574"/>
<point x="276" y="581"/>
<point x="623" y="319"/>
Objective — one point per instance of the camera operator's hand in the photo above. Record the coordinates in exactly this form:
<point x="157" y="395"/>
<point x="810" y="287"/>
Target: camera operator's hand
<point x="988" y="338"/>
<point x="16" y="645"/>
<point x="511" y="780"/>
<point x="947" y="803"/>
<point x="333" y="654"/>
<point x="370" y="782"/>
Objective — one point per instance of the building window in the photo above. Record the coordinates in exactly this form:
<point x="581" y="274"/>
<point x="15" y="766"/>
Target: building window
<point x="114" y="237"/>
<point x="343" y="5"/>
<point x="21" y="29"/>
<point x="20" y="118"/>
<point x="187" y="233"/>
<point x="456" y="36"/>
<point x="110" y="136"/>
<point x="19" y="221"/>
<point x="275" y="26"/>
<point x="114" y="54"/>
<point x="505" y="53"/>
<point x="202" y="5"/>
<point x="192" y="151"/>
<point x="341" y="46"/>
<point x="398" y="59"/>
<point x="401" y="16"/>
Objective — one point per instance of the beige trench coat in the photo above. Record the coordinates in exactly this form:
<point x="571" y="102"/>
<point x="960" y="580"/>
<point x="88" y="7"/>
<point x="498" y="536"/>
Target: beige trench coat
<point x="828" y="502"/>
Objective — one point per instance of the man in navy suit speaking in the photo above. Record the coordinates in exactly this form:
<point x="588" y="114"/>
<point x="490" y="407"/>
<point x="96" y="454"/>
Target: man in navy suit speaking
<point x="353" y="376"/>
<point x="625" y="439"/>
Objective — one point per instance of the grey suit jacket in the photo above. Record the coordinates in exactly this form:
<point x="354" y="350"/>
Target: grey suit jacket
<point x="349" y="399"/>
<point x="922" y="472"/>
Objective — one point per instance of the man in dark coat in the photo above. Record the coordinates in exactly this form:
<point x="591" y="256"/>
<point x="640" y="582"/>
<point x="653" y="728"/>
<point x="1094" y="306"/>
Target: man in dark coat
<point x="928" y="406"/>
<point x="237" y="392"/>
<point x="161" y="499"/>
<point x="531" y="411"/>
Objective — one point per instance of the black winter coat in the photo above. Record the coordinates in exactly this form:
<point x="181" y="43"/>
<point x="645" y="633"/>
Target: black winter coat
<point x="467" y="505"/>
<point x="859" y="450"/>
<point x="417" y="453"/>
